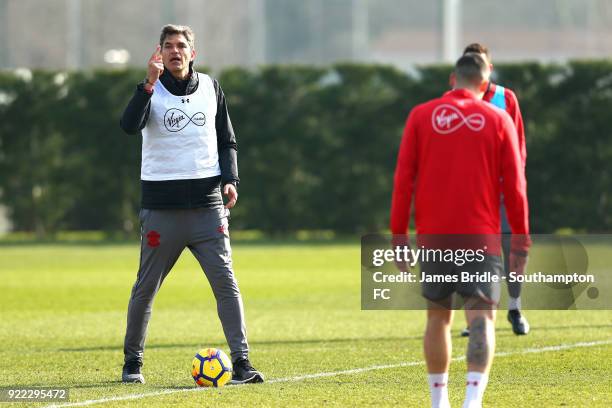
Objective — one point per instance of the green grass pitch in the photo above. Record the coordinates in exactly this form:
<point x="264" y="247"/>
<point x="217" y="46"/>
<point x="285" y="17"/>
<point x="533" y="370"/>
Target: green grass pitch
<point x="63" y="310"/>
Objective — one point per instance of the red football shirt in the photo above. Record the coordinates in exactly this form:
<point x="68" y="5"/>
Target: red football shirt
<point x="511" y="106"/>
<point x="454" y="151"/>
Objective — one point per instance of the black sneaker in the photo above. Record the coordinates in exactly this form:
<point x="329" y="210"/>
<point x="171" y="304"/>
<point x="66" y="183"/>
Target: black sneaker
<point x="465" y="332"/>
<point x="244" y="373"/>
<point x="131" y="372"/>
<point x="520" y="325"/>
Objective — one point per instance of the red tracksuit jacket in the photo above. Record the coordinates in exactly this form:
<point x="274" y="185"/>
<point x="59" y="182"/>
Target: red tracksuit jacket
<point x="509" y="103"/>
<point x="454" y="151"/>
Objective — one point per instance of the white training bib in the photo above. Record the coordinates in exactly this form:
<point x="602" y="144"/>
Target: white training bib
<point x="180" y="139"/>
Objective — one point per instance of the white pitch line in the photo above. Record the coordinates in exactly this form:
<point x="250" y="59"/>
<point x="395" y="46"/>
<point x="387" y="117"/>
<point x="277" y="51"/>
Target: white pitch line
<point x="559" y="347"/>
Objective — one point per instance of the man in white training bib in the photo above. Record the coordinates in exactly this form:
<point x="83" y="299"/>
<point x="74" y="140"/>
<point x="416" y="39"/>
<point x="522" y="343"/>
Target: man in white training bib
<point x="188" y="155"/>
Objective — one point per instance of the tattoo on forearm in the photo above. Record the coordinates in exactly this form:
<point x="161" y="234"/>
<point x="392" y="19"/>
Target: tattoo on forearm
<point x="478" y="349"/>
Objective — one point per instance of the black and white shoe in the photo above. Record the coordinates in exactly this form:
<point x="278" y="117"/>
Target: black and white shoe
<point x="465" y="332"/>
<point x="244" y="373"/>
<point x="520" y="325"/>
<point x="131" y="372"/>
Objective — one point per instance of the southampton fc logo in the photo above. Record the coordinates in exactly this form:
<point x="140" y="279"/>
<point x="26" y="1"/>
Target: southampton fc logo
<point x="176" y="120"/>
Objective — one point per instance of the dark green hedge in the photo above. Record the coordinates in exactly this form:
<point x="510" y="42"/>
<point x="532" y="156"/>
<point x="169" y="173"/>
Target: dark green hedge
<point x="317" y="146"/>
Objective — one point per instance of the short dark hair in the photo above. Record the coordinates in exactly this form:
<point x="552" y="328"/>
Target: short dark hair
<point x="470" y="68"/>
<point x="478" y="49"/>
<point x="171" y="29"/>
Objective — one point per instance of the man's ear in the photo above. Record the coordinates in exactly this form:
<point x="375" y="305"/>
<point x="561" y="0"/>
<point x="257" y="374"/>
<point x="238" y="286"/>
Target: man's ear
<point x="193" y="54"/>
<point x="483" y="86"/>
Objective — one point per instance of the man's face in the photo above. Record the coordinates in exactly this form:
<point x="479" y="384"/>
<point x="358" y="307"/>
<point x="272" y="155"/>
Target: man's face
<point x="176" y="53"/>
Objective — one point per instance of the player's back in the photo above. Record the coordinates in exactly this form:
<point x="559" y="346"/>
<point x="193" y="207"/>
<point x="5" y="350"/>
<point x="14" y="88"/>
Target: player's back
<point x="458" y="140"/>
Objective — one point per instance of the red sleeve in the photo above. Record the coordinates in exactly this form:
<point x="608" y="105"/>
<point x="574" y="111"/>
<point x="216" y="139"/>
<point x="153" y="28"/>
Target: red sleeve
<point x="405" y="173"/>
<point x="514" y="186"/>
<point x="515" y="113"/>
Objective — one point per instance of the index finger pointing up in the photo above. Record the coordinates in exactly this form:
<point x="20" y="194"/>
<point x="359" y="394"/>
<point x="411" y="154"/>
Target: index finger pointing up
<point x="156" y="54"/>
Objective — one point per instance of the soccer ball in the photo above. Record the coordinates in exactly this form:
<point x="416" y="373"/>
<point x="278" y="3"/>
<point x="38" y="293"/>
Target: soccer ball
<point x="211" y="368"/>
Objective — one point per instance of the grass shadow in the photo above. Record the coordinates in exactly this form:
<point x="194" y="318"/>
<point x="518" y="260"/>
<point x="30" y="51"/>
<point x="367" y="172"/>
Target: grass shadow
<point x="504" y="331"/>
<point x="254" y="343"/>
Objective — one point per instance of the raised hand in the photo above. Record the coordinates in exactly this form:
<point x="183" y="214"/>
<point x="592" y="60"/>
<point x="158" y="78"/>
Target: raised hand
<point x="155" y="66"/>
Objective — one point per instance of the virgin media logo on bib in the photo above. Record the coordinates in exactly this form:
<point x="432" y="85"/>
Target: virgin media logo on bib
<point x="176" y="119"/>
<point x="447" y="119"/>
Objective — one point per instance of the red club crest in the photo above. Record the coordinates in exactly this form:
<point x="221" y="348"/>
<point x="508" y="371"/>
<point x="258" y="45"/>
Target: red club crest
<point x="153" y="238"/>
